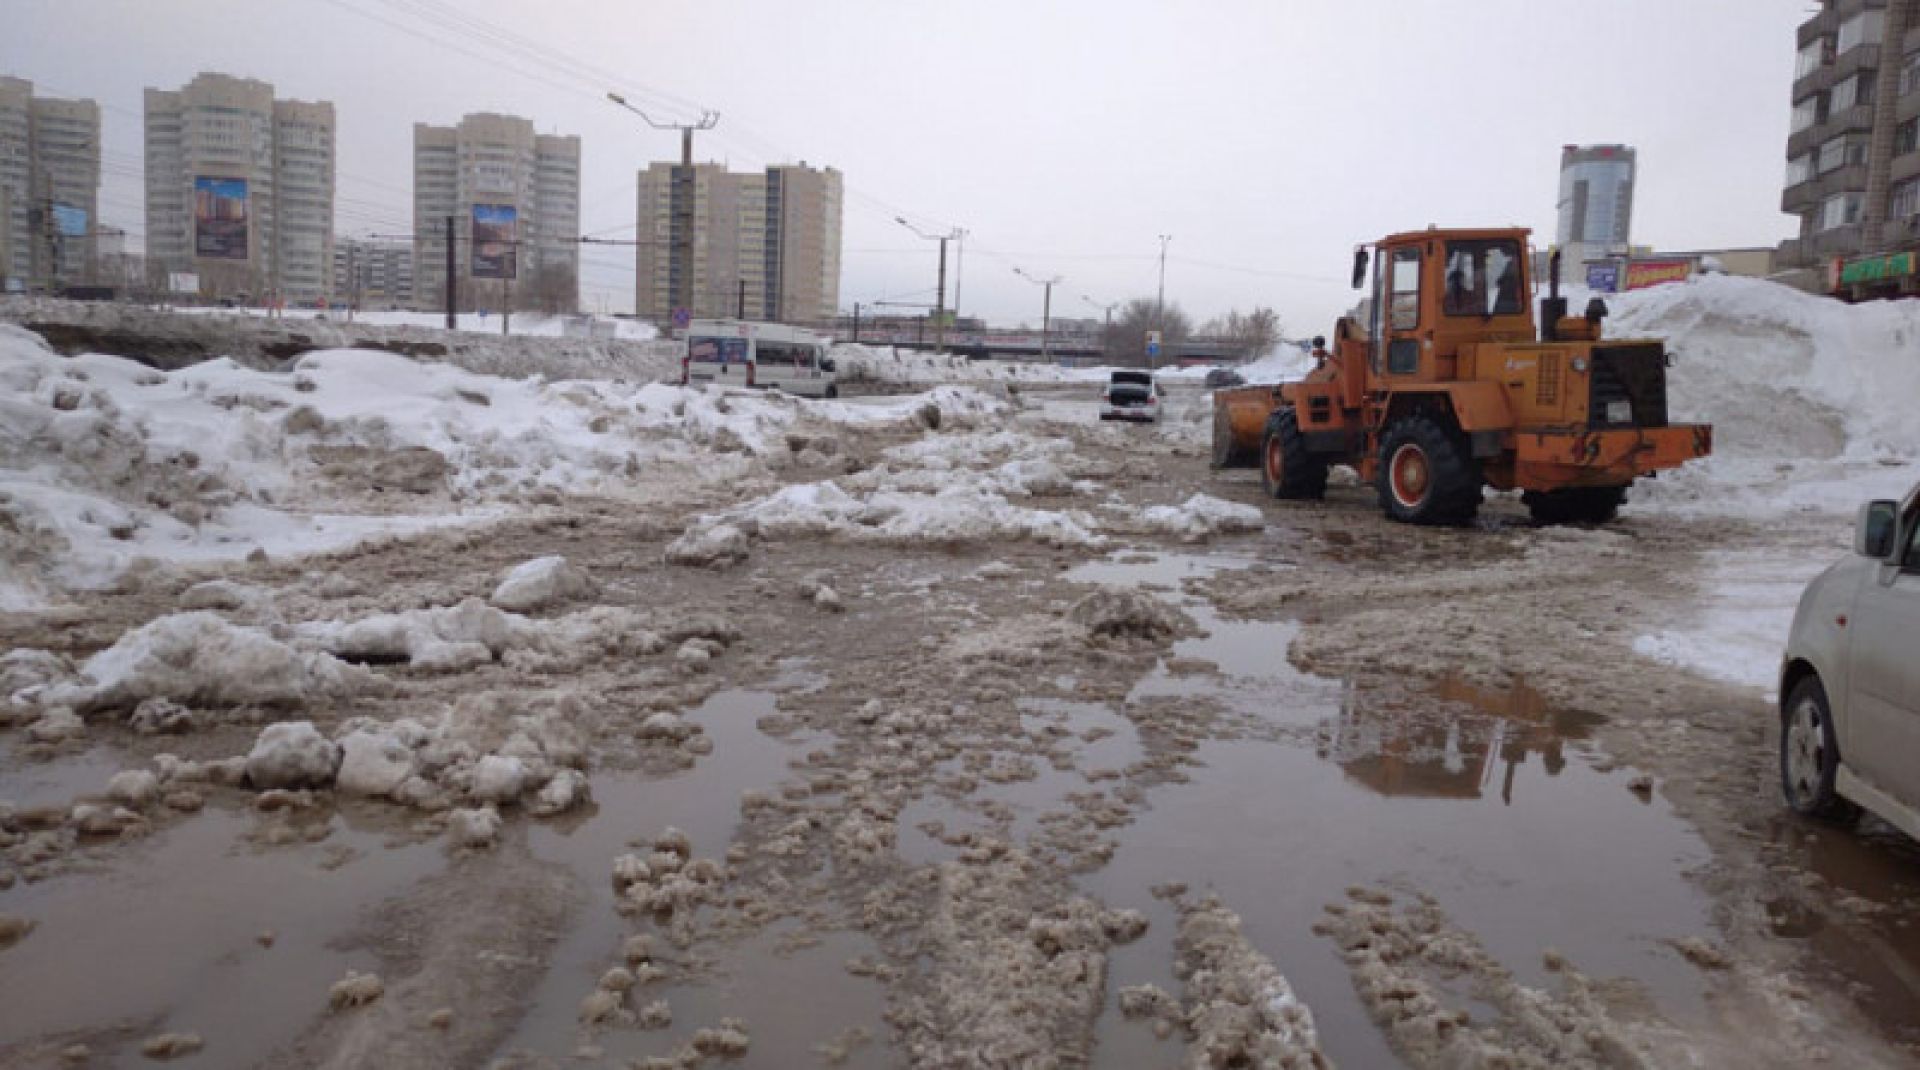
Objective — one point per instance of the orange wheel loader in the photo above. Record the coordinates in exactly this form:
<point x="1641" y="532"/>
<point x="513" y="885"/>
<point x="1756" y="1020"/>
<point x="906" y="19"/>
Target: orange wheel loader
<point x="1448" y="387"/>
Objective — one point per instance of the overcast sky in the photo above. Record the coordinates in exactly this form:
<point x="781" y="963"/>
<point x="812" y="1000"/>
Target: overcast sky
<point x="1266" y="136"/>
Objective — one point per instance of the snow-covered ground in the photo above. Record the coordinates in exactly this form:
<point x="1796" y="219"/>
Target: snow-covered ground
<point x="104" y="461"/>
<point x="1816" y="408"/>
<point x="522" y="323"/>
<point x="887" y="364"/>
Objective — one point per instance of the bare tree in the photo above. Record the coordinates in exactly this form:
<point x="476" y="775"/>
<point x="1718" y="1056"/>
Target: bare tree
<point x="1251" y="334"/>
<point x="1126" y="341"/>
<point x="555" y="291"/>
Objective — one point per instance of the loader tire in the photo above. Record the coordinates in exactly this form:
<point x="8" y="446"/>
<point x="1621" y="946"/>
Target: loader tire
<point x="1427" y="474"/>
<point x="1225" y="453"/>
<point x="1575" y="505"/>
<point x="1287" y="470"/>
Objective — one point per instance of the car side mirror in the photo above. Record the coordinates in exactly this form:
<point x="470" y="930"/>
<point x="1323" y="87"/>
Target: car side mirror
<point x="1873" y="531"/>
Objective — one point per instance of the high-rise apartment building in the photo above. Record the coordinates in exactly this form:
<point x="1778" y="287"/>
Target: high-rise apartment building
<point x="49" y="187"/>
<point x="240" y="190"/>
<point x="514" y="197"/>
<point x="372" y="273"/>
<point x="1596" y="201"/>
<point x="765" y="245"/>
<point x="1853" y="150"/>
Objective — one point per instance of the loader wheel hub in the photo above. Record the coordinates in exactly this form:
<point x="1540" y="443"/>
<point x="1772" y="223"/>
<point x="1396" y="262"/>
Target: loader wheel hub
<point x="1409" y="475"/>
<point x="1276" y="461"/>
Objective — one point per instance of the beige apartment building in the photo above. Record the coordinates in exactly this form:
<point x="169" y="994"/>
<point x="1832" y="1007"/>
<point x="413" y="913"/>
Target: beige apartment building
<point x="373" y="273"/>
<point x="758" y="245"/>
<point x="1853" y="153"/>
<point x="239" y="191"/>
<point x="514" y="197"/>
<point x="49" y="188"/>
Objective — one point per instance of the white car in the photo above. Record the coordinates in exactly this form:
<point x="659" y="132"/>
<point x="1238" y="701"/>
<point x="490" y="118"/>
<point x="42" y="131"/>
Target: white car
<point x="1132" y="396"/>
<point x="1850" y="681"/>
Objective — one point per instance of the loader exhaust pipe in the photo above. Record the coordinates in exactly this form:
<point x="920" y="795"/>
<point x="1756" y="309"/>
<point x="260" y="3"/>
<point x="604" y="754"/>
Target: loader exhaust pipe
<point x="1553" y="307"/>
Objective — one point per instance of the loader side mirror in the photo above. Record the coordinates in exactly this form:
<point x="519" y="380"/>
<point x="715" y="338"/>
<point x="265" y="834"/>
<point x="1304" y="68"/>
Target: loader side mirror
<point x="1359" y="267"/>
<point x="1873" y="531"/>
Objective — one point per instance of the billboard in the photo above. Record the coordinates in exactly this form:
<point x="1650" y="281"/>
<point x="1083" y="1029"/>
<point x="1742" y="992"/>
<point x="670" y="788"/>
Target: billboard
<point x="220" y="218"/>
<point x="1603" y="278"/>
<point x="494" y="247"/>
<point x="70" y="220"/>
<point x="1644" y="273"/>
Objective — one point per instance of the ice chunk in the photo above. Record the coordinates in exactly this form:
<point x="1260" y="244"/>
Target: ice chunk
<point x="542" y="582"/>
<point x="373" y="763"/>
<point x="292" y="754"/>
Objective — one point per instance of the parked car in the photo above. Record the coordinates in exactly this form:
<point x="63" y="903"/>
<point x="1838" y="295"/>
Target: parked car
<point x="1221" y="378"/>
<point x="1132" y="396"/>
<point x="1850" y="680"/>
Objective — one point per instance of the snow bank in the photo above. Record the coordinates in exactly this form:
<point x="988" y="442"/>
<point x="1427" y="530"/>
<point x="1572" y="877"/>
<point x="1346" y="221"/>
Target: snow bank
<point x="1812" y="400"/>
<point x="1814" y="409"/>
<point x="1201" y="517"/>
<point x="956" y="514"/>
<point x="199" y="659"/>
<point x="104" y="461"/>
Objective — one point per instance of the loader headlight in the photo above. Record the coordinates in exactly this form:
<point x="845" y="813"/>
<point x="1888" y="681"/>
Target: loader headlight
<point x="1580" y="364"/>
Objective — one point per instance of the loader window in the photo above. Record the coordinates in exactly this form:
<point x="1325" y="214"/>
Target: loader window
<point x="1406" y="289"/>
<point x="1483" y="279"/>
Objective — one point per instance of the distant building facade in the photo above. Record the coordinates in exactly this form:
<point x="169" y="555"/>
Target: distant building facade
<point x="763" y="245"/>
<point x="371" y="273"/>
<point x="1596" y="201"/>
<point x="514" y="197"/>
<point x="240" y="190"/>
<point x="49" y="187"/>
<point x="1853" y="150"/>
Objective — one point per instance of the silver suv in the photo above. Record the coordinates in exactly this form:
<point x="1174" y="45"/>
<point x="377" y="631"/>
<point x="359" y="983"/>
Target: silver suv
<point x="1850" y="681"/>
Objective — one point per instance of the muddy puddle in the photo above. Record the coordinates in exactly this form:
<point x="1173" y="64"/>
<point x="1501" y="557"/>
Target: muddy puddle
<point x="756" y="979"/>
<point x="169" y="939"/>
<point x="1489" y="802"/>
<point x="29" y="782"/>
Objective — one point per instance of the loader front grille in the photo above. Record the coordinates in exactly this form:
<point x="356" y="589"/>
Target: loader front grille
<point x="1547" y="390"/>
<point x="1629" y="386"/>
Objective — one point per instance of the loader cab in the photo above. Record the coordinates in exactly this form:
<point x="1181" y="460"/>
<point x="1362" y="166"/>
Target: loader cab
<point x="1435" y="291"/>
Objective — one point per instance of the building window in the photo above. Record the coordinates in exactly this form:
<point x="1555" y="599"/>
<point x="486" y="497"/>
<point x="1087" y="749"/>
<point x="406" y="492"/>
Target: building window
<point x="1910" y="75"/>
<point x="1865" y="28"/>
<point x="1905" y="200"/>
<point x="1804" y="114"/>
<point x="1906" y="137"/>
<point x="1841" y="209"/>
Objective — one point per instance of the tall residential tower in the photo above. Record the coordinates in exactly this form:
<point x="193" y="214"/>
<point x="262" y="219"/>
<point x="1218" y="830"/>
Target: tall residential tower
<point x="514" y="198"/>
<point x="240" y="190"/>
<point x="764" y="245"/>
<point x="1596" y="201"/>
<point x="49" y="188"/>
<point x="1853" y="150"/>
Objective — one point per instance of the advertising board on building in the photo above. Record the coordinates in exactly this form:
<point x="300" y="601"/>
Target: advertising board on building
<point x="494" y="246"/>
<point x="220" y="218"/>
<point x="70" y="220"/>
<point x="1603" y="278"/>
<point x="1879" y="268"/>
<point x="1644" y="273"/>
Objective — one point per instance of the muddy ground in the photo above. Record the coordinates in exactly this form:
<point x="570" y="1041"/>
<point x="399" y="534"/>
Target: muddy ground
<point x="1334" y="792"/>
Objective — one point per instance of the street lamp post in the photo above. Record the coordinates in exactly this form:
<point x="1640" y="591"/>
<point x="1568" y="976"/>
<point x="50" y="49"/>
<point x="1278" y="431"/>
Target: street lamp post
<point x="682" y="205"/>
<point x="940" y="290"/>
<point x="1046" y="307"/>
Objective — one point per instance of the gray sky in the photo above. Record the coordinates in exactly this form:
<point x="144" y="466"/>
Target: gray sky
<point x="1267" y="136"/>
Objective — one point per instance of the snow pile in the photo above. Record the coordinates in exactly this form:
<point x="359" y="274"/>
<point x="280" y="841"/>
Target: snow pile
<point x="201" y="660"/>
<point x="1813" y="407"/>
<point x="964" y="512"/>
<point x="886" y="364"/>
<point x="1201" y="517"/>
<point x="540" y="583"/>
<point x="104" y="461"/>
<point x="461" y="637"/>
<point x="1812" y="400"/>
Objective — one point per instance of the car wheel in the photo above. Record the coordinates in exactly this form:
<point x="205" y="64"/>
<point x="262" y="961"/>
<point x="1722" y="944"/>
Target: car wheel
<point x="1810" y="753"/>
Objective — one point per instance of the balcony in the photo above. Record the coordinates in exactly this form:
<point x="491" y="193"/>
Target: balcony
<point x="1814" y="191"/>
<point x="1857" y="119"/>
<point x="1822" y="25"/>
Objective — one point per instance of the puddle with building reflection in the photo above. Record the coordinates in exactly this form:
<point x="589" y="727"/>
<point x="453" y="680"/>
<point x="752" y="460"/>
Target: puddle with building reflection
<point x="1489" y="802"/>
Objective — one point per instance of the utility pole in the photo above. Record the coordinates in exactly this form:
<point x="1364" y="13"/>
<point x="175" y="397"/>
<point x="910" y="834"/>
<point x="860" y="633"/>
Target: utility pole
<point x="856" y="321"/>
<point x="682" y="198"/>
<point x="1108" y="309"/>
<point x="451" y="283"/>
<point x="940" y="290"/>
<point x="1046" y="308"/>
<point x="959" y="262"/>
<point x="1160" y="301"/>
<point x="743" y="299"/>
